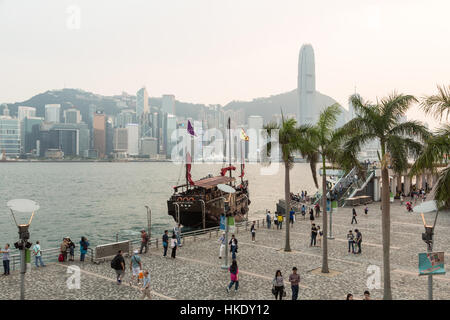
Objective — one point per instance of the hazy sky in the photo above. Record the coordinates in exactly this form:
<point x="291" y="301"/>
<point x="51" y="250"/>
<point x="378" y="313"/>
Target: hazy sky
<point x="214" y="51"/>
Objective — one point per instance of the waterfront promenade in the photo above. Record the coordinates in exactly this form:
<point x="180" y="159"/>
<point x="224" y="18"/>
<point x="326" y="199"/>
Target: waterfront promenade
<point x="196" y="272"/>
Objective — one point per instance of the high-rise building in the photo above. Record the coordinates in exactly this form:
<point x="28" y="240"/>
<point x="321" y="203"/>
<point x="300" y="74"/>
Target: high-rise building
<point x="168" y="104"/>
<point x="25" y="112"/>
<point x="29" y="133"/>
<point x="133" y="139"/>
<point x="120" y="141"/>
<point x="9" y="135"/>
<point x="306" y="85"/>
<point x="149" y="147"/>
<point x="69" y="138"/>
<point x="99" y="128"/>
<point x="125" y="117"/>
<point x="109" y="136"/>
<point x="72" y="115"/>
<point x="171" y="126"/>
<point x="141" y="102"/>
<point x="52" y="113"/>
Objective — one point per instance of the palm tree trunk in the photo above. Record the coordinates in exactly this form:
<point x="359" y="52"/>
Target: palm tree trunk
<point x="386" y="232"/>
<point x="324" y="219"/>
<point x="287" y="198"/>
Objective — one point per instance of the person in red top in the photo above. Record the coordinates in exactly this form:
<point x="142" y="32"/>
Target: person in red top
<point x="234" y="276"/>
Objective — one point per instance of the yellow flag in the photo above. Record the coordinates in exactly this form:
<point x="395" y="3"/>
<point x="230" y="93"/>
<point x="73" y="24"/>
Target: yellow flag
<point x="244" y="136"/>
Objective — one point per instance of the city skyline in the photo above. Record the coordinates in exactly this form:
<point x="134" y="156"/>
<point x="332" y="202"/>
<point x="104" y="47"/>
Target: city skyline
<point x="356" y="46"/>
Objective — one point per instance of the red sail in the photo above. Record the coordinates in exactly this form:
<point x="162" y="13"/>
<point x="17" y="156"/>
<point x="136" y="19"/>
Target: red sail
<point x="242" y="169"/>
<point x="188" y="169"/>
<point x="223" y="171"/>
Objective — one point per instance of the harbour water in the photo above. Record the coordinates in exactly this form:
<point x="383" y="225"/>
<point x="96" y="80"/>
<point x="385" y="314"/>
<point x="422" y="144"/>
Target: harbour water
<point x="98" y="200"/>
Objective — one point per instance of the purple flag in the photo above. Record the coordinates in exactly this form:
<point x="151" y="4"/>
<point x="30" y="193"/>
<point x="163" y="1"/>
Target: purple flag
<point x="190" y="129"/>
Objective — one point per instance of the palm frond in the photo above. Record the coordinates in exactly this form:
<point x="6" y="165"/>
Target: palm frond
<point x="437" y="105"/>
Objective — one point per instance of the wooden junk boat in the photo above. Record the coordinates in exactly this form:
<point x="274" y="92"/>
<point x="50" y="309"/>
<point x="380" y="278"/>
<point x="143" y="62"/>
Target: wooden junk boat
<point x="199" y="204"/>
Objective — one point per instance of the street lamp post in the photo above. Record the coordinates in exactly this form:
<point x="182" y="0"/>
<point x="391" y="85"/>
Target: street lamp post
<point x="149" y="221"/>
<point x="22" y="205"/>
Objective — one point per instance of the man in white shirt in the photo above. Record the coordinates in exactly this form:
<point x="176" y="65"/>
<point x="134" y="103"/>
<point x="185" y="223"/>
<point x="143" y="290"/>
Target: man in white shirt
<point x="38" y="255"/>
<point x="146" y="286"/>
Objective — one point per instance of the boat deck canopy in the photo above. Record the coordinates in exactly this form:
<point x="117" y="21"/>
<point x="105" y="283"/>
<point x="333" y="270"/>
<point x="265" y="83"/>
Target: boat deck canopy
<point x="212" y="182"/>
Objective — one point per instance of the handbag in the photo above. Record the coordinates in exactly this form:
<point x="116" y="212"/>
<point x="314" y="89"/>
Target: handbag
<point x="274" y="292"/>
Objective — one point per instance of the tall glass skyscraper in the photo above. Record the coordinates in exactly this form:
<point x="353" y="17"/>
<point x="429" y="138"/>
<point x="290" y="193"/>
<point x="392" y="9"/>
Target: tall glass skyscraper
<point x="141" y="102"/>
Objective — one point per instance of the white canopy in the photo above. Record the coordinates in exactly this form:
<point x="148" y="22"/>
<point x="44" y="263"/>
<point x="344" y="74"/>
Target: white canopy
<point x="23" y="205"/>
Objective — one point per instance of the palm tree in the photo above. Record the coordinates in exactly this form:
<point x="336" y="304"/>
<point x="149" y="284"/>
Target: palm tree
<point x="290" y="139"/>
<point x="325" y="142"/>
<point x="437" y="148"/>
<point x="381" y="122"/>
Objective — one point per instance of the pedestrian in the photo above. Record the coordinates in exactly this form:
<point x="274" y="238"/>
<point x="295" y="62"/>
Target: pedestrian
<point x="253" y="230"/>
<point x="319" y="237"/>
<point x="401" y="199"/>
<point x="303" y="211"/>
<point x="366" y="295"/>
<point x="84" y="245"/>
<point x="165" y="242"/>
<point x="349" y="296"/>
<point x="174" y="245"/>
<point x="118" y="264"/>
<point x="177" y="231"/>
<point x="144" y="241"/>
<point x="366" y="210"/>
<point x="311" y="215"/>
<point x="222" y="245"/>
<point x="275" y="220"/>
<point x="38" y="255"/>
<point x="234" y="276"/>
<point x="63" y="249"/>
<point x="278" y="286"/>
<point x="146" y="285"/>
<point x="294" y="279"/>
<point x="292" y="217"/>
<point x="71" y="247"/>
<point x="268" y="219"/>
<point x="358" y="240"/>
<point x="5" y="258"/>
<point x="354" y="216"/>
<point x="351" y="241"/>
<point x="317" y="207"/>
<point x="313" y="235"/>
<point x="233" y="246"/>
<point x="280" y="220"/>
<point x="135" y="266"/>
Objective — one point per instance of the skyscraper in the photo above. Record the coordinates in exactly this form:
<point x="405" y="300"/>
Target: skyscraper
<point x="52" y="113"/>
<point x="306" y="85"/>
<point x="168" y="103"/>
<point x="72" y="115"/>
<point x="25" y="112"/>
<point x="100" y="133"/>
<point x="133" y="139"/>
<point x="141" y="102"/>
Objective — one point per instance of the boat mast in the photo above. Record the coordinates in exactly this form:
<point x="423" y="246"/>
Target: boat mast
<point x="229" y="146"/>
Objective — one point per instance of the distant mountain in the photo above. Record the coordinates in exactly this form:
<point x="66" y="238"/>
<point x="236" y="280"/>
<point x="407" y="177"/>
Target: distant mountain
<point x="111" y="105"/>
<point x="267" y="107"/>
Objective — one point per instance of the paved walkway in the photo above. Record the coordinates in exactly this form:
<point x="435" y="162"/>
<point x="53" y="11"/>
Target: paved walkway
<point x="196" y="272"/>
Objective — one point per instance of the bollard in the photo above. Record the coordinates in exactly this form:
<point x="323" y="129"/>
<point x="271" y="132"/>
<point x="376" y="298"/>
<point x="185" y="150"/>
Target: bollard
<point x="263" y="222"/>
<point x="257" y="223"/>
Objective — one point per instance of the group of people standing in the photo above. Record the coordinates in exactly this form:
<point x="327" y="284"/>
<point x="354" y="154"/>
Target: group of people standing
<point x="174" y="242"/>
<point x="354" y="241"/>
<point x="68" y="248"/>
<point x="278" y="288"/>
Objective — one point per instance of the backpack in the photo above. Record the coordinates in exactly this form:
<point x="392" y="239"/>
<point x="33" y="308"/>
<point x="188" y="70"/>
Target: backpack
<point x="84" y="245"/>
<point x="115" y="263"/>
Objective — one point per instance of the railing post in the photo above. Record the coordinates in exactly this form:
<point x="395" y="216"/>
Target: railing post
<point x="257" y="223"/>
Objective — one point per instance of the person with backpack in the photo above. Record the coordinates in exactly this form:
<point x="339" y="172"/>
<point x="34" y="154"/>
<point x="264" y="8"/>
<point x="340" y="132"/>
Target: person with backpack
<point x="292" y="217"/>
<point x="135" y="266"/>
<point x="358" y="240"/>
<point x="84" y="245"/>
<point x="253" y="231"/>
<point x="303" y="212"/>
<point x="278" y="286"/>
<point x="351" y="241"/>
<point x="38" y="255"/>
<point x="234" y="276"/>
<point x="144" y="241"/>
<point x="118" y="264"/>
<point x="233" y="246"/>
<point x="71" y="247"/>
<point x="173" y="245"/>
<point x="63" y="250"/>
<point x="165" y="242"/>
<point x="280" y="221"/>
<point x="311" y="216"/>
<point x="354" y="216"/>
